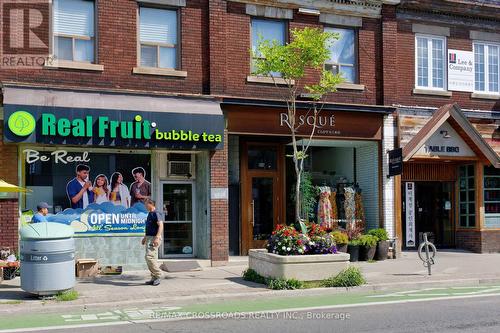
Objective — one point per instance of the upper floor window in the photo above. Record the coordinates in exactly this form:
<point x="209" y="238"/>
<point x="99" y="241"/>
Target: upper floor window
<point x="486" y="57"/>
<point x="430" y="55"/>
<point x="343" y="54"/>
<point x="74" y="30"/>
<point x="267" y="30"/>
<point x="158" y="37"/>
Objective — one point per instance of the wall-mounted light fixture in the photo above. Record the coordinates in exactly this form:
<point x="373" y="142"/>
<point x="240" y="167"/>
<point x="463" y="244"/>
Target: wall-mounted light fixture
<point x="309" y="11"/>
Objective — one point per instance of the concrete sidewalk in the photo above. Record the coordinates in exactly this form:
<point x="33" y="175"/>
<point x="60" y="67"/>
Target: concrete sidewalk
<point x="209" y="284"/>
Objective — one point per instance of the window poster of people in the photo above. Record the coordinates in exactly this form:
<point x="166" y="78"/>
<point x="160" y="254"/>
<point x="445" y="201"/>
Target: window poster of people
<point x="95" y="193"/>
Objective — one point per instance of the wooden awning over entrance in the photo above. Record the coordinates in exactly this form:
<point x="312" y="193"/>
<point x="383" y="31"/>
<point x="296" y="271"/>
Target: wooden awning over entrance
<point x="452" y="114"/>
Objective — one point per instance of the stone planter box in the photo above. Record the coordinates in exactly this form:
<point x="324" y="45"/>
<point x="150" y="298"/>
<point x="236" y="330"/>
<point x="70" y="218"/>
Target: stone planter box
<point x="305" y="267"/>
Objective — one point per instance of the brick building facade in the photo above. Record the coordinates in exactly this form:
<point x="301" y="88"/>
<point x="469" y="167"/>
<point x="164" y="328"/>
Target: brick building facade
<point x="213" y="63"/>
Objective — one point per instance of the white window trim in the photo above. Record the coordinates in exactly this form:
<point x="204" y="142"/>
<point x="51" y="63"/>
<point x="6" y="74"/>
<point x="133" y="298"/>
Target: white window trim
<point x="486" y="90"/>
<point x="429" y="69"/>
<point x="355" y="66"/>
<point x="176" y="71"/>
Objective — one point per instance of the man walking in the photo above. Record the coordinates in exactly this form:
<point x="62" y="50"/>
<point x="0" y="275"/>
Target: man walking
<point x="154" y="231"/>
<point x="42" y="211"/>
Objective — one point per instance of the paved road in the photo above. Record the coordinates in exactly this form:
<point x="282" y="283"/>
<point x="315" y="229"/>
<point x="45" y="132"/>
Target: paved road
<point x="476" y="315"/>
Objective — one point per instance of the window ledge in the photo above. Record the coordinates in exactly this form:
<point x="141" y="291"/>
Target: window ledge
<point x="159" y="71"/>
<point x="55" y="64"/>
<point x="267" y="80"/>
<point x="351" y="86"/>
<point x="443" y="93"/>
<point x="485" y="96"/>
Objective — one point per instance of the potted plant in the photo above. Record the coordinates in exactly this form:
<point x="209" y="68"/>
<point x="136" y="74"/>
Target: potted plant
<point x="291" y="254"/>
<point x="353" y="249"/>
<point x="368" y="247"/>
<point x="382" y="245"/>
<point x="341" y="240"/>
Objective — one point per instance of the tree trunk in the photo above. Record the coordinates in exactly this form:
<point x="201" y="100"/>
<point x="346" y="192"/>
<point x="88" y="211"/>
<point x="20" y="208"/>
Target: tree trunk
<point x="297" y="198"/>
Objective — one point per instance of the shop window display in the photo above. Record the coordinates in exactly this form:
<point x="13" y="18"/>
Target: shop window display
<point x="492" y="197"/>
<point x="337" y="195"/>
<point x="94" y="192"/>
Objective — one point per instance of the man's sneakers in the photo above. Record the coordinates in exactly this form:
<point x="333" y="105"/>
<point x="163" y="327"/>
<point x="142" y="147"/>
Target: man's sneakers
<point x="153" y="282"/>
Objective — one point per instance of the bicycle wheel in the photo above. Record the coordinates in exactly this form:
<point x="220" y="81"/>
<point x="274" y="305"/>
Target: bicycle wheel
<point x="421" y="251"/>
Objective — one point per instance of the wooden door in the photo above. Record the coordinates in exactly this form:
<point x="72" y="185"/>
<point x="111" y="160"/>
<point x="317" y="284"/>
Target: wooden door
<point x="261" y="193"/>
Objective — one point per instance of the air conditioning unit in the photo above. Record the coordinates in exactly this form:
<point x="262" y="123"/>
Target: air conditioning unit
<point x="178" y="165"/>
<point x="179" y="168"/>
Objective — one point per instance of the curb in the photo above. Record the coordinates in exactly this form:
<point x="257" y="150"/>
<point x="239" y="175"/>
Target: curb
<point x="166" y="299"/>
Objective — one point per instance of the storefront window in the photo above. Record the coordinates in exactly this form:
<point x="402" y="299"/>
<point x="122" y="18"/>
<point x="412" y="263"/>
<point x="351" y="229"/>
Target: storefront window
<point x="178" y="208"/>
<point x="262" y="158"/>
<point x="492" y="197"/>
<point x="116" y="185"/>
<point x="467" y="197"/>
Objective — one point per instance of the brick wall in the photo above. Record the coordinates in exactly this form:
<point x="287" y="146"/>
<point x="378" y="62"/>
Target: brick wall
<point x="490" y="241"/>
<point x="484" y="241"/>
<point x="9" y="218"/>
<point x="402" y="92"/>
<point x="8" y="160"/>
<point x="117" y="51"/>
<point x="219" y="239"/>
<point x="237" y="58"/>
<point x="468" y="240"/>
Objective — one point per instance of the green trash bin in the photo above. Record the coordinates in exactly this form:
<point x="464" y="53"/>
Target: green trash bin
<point x="47" y="255"/>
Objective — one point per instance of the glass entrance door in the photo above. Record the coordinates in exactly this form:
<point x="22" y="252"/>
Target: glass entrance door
<point x="263" y="210"/>
<point x="178" y="207"/>
<point x="434" y="207"/>
<point x="261" y="192"/>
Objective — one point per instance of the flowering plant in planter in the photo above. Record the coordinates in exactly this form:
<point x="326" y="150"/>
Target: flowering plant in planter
<point x="286" y="240"/>
<point x="323" y="244"/>
<point x="315" y="230"/>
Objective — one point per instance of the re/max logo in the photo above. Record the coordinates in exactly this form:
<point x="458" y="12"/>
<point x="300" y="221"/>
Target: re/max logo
<point x="106" y="128"/>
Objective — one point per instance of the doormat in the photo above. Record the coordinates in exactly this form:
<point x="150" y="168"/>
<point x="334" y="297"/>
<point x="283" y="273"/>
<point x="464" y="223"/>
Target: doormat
<point x="180" y="266"/>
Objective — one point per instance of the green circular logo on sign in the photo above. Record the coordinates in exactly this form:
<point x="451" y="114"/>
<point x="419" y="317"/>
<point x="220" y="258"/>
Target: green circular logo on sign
<point x="21" y="123"/>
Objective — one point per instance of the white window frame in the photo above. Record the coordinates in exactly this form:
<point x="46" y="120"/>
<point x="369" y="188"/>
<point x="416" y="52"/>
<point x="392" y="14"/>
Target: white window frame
<point x="355" y="66"/>
<point x="430" y="76"/>
<point x="75" y="37"/>
<point x="486" y="67"/>
<point x="177" y="46"/>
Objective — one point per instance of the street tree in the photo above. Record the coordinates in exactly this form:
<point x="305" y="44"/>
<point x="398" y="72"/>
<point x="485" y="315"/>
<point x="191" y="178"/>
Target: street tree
<point x="290" y="66"/>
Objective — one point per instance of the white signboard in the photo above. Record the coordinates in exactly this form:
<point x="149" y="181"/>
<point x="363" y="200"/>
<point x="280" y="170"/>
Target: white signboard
<point x="460" y="70"/>
<point x="410" y="215"/>
<point x="445" y="142"/>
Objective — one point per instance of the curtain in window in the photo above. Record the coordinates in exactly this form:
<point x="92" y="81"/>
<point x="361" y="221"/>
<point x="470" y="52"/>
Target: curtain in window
<point x="158" y="26"/>
<point x="74" y="17"/>
<point x="342" y="52"/>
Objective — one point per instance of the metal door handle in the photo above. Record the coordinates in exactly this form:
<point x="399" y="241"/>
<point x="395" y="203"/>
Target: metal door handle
<point x="253" y="213"/>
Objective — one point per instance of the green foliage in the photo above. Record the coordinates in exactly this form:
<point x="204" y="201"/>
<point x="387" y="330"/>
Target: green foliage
<point x="308" y="197"/>
<point x="283" y="284"/>
<point x="68" y="295"/>
<point x="253" y="276"/>
<point x="380" y="233"/>
<point x="340" y="237"/>
<point x="354" y="242"/>
<point x="349" y="277"/>
<point x="327" y="84"/>
<point x="368" y="240"/>
<point x="276" y="284"/>
<point x="308" y="49"/>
